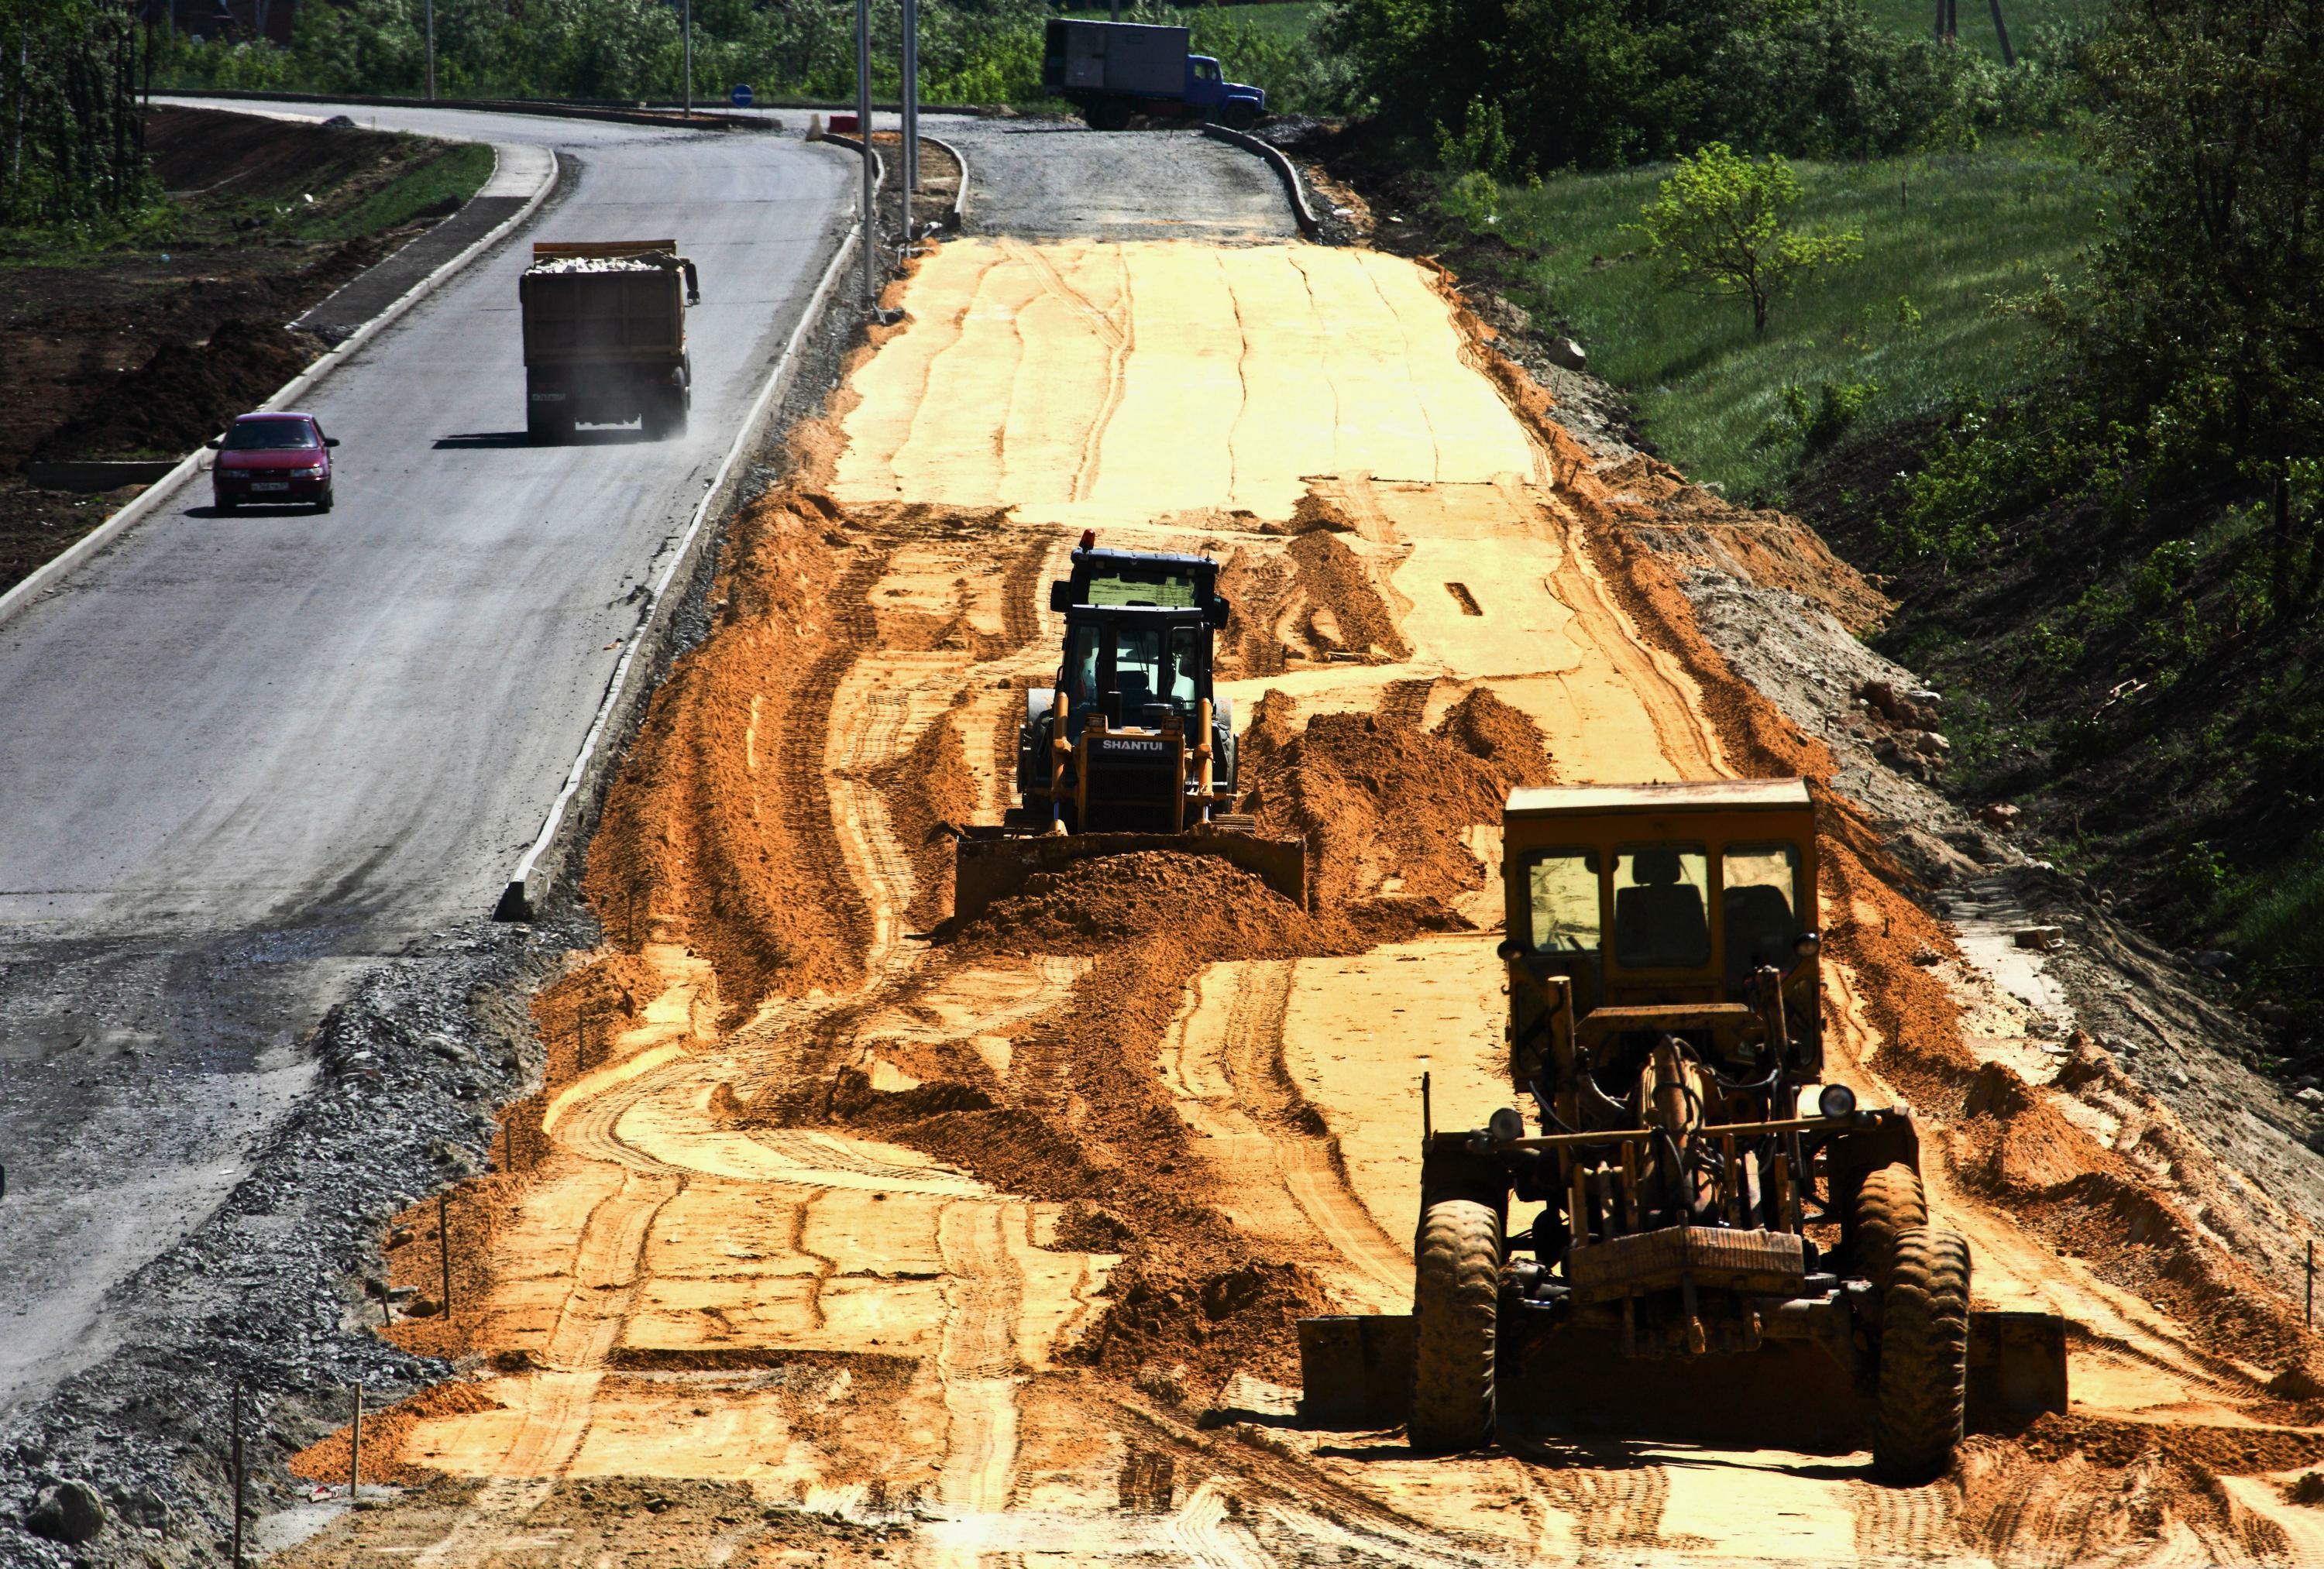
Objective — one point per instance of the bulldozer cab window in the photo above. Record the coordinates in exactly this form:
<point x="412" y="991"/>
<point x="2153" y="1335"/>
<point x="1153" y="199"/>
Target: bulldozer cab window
<point x="1562" y="886"/>
<point x="1137" y="667"/>
<point x="1661" y="908"/>
<point x="1183" y="673"/>
<point x="1759" y="901"/>
<point x="1079" y="678"/>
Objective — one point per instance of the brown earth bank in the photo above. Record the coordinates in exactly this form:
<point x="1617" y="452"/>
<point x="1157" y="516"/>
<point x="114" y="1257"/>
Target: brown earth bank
<point x="148" y="348"/>
<point x="946" y="1224"/>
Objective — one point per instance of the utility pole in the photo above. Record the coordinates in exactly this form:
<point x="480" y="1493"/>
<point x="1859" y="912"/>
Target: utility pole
<point x="863" y="129"/>
<point x="912" y="110"/>
<point x="688" y="10"/>
<point x="431" y="50"/>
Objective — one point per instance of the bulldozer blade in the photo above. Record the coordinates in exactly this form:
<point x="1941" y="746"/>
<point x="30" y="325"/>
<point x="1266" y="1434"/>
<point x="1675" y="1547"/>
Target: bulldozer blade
<point x="1356" y="1373"/>
<point x="989" y="864"/>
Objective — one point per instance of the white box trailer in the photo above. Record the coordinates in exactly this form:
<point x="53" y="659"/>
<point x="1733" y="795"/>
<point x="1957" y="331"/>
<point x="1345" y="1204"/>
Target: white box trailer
<point x="1111" y="70"/>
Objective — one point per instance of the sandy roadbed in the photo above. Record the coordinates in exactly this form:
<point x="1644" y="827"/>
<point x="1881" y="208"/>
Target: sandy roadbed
<point x="993" y="1238"/>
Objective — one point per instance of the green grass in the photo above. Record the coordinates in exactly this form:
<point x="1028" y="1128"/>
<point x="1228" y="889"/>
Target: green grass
<point x="1974" y="19"/>
<point x="1962" y="229"/>
<point x="435" y="188"/>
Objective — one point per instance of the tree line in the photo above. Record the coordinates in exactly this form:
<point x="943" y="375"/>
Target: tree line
<point x="75" y="141"/>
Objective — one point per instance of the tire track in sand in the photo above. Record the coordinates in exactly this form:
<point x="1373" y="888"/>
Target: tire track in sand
<point x="1225" y="1063"/>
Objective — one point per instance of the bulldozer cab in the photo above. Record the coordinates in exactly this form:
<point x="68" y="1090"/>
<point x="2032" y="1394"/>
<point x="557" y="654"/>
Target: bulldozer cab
<point x="1139" y="668"/>
<point x="1639" y="911"/>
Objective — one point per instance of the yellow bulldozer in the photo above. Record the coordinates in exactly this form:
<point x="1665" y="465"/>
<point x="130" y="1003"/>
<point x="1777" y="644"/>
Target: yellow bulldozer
<point x="1129" y="748"/>
<point x="1701" y="1236"/>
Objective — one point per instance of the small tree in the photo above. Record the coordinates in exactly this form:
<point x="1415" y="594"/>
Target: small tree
<point x="1716" y="226"/>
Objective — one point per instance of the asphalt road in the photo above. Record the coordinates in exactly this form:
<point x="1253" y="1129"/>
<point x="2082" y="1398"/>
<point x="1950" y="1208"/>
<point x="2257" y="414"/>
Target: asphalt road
<point x="244" y="756"/>
<point x="1053" y="180"/>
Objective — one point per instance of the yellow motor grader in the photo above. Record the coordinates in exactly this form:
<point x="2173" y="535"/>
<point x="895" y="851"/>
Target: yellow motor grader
<point x="1717" y="1240"/>
<point x="1128" y="749"/>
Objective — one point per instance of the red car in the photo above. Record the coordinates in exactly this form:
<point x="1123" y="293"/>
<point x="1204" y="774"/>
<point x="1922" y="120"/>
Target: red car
<point x="273" y="457"/>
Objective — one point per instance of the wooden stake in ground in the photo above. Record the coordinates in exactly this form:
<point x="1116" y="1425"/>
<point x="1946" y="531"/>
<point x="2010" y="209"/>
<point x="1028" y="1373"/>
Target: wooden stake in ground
<point x="444" y="1249"/>
<point x="355" y="1449"/>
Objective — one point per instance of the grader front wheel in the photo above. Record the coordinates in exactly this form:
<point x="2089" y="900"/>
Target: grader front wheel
<point x="1455" y="1302"/>
<point x="1923" y="1357"/>
<point x="1890" y="1203"/>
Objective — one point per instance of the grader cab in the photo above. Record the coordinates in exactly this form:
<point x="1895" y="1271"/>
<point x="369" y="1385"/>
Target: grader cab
<point x="1700" y="1234"/>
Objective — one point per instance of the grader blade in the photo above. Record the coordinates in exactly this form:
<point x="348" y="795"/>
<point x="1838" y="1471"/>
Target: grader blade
<point x="1356" y="1373"/>
<point x="990" y="864"/>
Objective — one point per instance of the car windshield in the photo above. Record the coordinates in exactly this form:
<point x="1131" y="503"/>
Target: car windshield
<point x="268" y="435"/>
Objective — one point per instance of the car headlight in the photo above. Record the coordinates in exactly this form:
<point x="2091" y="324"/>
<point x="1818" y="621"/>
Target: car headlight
<point x="312" y="472"/>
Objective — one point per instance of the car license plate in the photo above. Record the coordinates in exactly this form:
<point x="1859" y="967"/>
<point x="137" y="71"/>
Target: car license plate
<point x="270" y="484"/>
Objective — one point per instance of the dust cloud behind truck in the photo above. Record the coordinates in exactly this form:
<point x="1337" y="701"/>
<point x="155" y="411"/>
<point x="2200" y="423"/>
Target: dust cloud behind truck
<point x="604" y="337"/>
<point x="1110" y="71"/>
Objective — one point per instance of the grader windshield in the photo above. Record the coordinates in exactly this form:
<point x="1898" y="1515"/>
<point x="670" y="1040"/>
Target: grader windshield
<point x="1661" y="887"/>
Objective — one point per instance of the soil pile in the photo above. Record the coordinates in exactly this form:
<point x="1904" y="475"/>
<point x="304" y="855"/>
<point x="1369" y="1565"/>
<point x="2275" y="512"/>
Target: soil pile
<point x="184" y="393"/>
<point x="1316" y="601"/>
<point x="1200" y="1330"/>
<point x="929" y="786"/>
<point x="1184" y="905"/>
<point x="720" y="827"/>
<point x="1377" y="798"/>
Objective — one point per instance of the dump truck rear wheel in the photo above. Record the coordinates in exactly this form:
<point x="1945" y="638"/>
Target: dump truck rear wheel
<point x="1455" y="1301"/>
<point x="1108" y="114"/>
<point x="1890" y="1203"/>
<point x="1923" y="1357"/>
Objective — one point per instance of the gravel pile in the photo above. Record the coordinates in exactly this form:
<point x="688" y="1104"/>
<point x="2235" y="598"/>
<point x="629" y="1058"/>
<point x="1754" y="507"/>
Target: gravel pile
<point x="279" y="1290"/>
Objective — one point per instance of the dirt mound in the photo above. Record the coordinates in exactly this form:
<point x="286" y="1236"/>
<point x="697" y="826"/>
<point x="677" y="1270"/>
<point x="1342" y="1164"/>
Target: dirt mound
<point x="1771" y="549"/>
<point x="1185" y="904"/>
<point x="1377" y="798"/>
<point x="385" y="1434"/>
<point x="929" y="786"/>
<point x="1244" y="1319"/>
<point x="720" y="829"/>
<point x="1314" y="601"/>
<point x="185" y="393"/>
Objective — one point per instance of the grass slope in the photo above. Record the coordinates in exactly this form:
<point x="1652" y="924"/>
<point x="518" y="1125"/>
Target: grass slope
<point x="1973" y="19"/>
<point x="1943" y="237"/>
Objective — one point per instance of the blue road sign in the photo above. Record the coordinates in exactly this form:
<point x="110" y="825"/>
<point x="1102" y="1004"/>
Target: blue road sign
<point x="741" y="96"/>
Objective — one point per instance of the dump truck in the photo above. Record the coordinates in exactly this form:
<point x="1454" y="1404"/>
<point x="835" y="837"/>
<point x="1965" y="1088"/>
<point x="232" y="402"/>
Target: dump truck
<point x="604" y="337"/>
<point x="1110" y="71"/>
<point x="1128" y="748"/>
<point x="1702" y="1234"/>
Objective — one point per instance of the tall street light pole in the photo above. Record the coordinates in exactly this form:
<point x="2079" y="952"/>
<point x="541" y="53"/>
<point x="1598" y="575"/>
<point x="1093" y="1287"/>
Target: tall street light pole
<point x="431" y="50"/>
<point x="863" y="130"/>
<point x="912" y="108"/>
<point x="689" y="58"/>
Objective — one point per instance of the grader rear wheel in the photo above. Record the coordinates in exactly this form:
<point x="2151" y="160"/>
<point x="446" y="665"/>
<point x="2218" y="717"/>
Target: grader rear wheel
<point x="1455" y="1302"/>
<point x="1889" y="1203"/>
<point x="1923" y="1357"/>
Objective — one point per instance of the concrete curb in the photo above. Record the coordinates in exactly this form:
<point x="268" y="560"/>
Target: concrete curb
<point x="1293" y="185"/>
<point x="51" y="574"/>
<point x="703" y="120"/>
<point x="959" y="218"/>
<point x="626" y="692"/>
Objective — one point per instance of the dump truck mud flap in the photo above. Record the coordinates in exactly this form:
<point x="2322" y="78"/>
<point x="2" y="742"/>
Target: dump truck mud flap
<point x="991" y="864"/>
<point x="1356" y="1373"/>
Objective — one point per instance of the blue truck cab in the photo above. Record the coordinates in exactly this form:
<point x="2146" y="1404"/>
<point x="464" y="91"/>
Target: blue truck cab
<point x="1110" y="71"/>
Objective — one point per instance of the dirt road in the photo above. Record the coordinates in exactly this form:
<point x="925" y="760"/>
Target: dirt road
<point x="989" y="1239"/>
